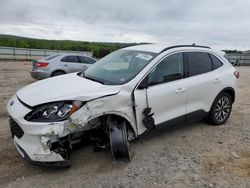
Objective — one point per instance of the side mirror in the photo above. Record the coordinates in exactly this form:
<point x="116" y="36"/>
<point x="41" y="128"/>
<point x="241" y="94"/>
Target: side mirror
<point x="143" y="84"/>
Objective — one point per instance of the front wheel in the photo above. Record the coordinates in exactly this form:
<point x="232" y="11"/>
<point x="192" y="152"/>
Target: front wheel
<point x="119" y="140"/>
<point x="221" y="109"/>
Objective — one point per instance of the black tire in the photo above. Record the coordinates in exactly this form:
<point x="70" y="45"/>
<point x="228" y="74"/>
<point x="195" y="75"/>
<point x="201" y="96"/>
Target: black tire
<point x="119" y="140"/>
<point x="221" y="109"/>
<point x="57" y="73"/>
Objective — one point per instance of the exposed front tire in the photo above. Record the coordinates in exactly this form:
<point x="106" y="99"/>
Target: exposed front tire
<point x="119" y="139"/>
<point x="221" y="109"/>
<point x="57" y="73"/>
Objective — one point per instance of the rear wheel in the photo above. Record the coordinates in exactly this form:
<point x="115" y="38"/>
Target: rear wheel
<point x="221" y="109"/>
<point x="57" y="73"/>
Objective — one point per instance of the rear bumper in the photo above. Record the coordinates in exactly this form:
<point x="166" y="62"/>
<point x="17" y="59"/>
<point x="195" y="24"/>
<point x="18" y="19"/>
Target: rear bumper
<point x="38" y="74"/>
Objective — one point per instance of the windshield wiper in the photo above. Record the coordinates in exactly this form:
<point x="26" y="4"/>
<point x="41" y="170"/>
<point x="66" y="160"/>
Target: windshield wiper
<point x="93" y="79"/>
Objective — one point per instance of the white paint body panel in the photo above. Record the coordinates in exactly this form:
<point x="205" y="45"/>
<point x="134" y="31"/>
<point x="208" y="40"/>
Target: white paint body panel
<point x="166" y="102"/>
<point x="65" y="87"/>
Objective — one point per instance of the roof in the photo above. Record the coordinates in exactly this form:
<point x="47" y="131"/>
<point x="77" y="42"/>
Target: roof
<point x="157" y="48"/>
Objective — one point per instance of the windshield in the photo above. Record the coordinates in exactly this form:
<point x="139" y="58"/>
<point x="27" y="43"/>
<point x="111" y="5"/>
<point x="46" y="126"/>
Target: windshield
<point x="118" y="67"/>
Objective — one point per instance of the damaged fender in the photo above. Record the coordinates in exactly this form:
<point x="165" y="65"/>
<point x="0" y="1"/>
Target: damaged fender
<point x="92" y="110"/>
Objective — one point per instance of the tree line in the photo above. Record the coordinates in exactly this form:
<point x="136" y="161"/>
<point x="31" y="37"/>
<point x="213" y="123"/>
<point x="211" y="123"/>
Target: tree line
<point x="99" y="49"/>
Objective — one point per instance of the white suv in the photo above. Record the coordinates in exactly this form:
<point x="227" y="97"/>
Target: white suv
<point x="121" y="96"/>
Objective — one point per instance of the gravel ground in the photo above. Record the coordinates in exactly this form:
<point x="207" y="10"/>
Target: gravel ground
<point x="198" y="155"/>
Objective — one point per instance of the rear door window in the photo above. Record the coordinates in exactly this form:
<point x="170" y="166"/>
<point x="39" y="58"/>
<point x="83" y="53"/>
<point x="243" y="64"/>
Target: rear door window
<point x="198" y="63"/>
<point x="70" y="58"/>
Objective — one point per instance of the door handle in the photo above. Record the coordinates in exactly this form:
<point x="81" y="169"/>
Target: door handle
<point x="217" y="80"/>
<point x="180" y="90"/>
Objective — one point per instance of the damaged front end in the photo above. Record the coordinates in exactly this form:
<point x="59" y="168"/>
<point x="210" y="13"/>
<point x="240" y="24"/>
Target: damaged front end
<point x="103" y="133"/>
<point x="51" y="131"/>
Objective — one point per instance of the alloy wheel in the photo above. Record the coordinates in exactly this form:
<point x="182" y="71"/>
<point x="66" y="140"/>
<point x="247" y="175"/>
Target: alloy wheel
<point x="222" y="109"/>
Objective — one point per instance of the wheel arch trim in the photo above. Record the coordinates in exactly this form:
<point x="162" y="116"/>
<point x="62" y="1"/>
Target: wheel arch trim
<point x="56" y="71"/>
<point x="118" y="115"/>
<point x="228" y="90"/>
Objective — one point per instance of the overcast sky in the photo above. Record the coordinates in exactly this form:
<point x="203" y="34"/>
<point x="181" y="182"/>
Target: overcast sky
<point x="217" y="23"/>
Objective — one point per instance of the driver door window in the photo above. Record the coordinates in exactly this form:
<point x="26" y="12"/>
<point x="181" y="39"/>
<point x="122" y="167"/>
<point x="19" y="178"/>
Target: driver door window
<point x="169" y="69"/>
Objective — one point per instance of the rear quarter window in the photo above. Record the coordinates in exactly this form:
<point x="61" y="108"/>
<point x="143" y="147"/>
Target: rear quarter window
<point x="216" y="62"/>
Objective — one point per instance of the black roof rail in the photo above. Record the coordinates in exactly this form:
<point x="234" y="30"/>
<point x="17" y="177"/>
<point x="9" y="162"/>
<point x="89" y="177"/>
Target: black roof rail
<point x="179" y="46"/>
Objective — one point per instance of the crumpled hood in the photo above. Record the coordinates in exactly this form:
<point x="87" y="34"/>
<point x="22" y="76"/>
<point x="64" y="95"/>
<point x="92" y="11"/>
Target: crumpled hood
<point x="66" y="87"/>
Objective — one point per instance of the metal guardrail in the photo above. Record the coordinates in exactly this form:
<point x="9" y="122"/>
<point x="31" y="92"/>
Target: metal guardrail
<point x="28" y="54"/>
<point x="242" y="58"/>
<point x="12" y="53"/>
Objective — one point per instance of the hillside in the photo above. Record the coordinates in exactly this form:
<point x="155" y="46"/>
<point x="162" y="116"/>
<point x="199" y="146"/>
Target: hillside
<point x="99" y="49"/>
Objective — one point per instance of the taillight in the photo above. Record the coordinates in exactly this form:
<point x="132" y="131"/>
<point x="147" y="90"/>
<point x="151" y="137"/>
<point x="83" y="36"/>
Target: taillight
<point x="41" y="64"/>
<point x="237" y="74"/>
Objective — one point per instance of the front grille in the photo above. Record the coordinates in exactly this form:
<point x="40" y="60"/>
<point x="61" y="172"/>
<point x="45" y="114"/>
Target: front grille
<point x="16" y="130"/>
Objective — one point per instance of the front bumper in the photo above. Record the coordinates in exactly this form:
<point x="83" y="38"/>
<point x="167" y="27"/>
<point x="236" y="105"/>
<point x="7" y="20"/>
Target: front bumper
<point x="56" y="164"/>
<point x="32" y="139"/>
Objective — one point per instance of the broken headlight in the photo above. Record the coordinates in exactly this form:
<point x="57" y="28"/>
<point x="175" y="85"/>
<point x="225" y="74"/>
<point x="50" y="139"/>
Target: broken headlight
<point x="57" y="111"/>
